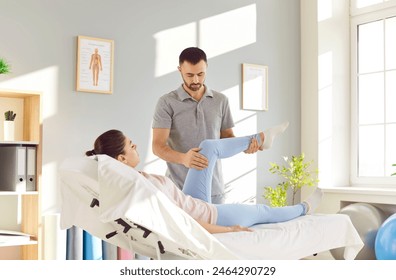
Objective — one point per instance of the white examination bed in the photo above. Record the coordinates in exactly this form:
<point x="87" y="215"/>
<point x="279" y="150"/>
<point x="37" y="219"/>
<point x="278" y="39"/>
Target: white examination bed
<point x="113" y="202"/>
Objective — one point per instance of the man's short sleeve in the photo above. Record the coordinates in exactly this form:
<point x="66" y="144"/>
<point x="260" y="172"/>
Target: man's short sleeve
<point x="162" y="115"/>
<point x="227" y="121"/>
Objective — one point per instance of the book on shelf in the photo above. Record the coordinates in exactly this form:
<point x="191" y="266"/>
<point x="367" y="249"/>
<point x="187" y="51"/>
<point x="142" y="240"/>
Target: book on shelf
<point x="13" y="237"/>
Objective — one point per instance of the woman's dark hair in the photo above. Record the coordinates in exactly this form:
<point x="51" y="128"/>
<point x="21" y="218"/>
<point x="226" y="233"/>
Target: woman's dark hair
<point x="111" y="143"/>
<point x="192" y="55"/>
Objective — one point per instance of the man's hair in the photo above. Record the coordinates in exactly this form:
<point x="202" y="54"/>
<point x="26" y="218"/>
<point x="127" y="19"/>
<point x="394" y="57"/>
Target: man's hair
<point x="192" y="55"/>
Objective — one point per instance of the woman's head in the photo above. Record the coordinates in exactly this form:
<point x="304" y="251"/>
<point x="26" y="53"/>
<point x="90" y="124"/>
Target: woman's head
<point x="116" y="145"/>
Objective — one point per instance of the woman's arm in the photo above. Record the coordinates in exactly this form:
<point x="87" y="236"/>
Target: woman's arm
<point x="221" y="229"/>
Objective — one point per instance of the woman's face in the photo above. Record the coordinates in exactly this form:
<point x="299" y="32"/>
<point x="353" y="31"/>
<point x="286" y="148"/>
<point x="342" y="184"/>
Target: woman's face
<point x="130" y="156"/>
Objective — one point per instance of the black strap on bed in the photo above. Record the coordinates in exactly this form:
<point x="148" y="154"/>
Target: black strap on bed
<point x="161" y="247"/>
<point x="111" y="234"/>
<point x="127" y="227"/>
<point x="146" y="231"/>
<point x="94" y="203"/>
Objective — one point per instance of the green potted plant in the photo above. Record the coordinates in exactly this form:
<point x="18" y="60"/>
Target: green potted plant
<point x="9" y="126"/>
<point x="4" y="67"/>
<point x="10" y="115"/>
<point x="296" y="174"/>
<point x="394" y="174"/>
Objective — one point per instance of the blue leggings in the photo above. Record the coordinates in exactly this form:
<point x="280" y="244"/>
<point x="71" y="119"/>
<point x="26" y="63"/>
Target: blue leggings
<point x="198" y="184"/>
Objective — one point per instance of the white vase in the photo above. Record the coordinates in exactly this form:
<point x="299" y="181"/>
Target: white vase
<point x="9" y="130"/>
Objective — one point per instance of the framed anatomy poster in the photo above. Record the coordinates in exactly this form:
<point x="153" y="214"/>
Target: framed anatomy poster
<point x="254" y="87"/>
<point x="95" y="65"/>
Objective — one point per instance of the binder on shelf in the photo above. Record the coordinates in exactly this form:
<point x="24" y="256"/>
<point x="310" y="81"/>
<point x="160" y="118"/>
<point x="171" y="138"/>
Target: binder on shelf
<point x="18" y="167"/>
<point x="12" y="168"/>
<point x="30" y="168"/>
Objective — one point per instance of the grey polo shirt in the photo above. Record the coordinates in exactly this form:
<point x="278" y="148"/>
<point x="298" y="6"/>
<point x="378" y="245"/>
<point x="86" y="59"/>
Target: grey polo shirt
<point x="190" y="122"/>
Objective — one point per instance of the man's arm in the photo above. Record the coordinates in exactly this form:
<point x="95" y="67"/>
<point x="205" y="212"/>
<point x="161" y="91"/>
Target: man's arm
<point x="191" y="159"/>
<point x="227" y="133"/>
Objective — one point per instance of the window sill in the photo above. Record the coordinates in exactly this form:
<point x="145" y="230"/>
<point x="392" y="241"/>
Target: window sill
<point x="362" y="189"/>
<point x="335" y="198"/>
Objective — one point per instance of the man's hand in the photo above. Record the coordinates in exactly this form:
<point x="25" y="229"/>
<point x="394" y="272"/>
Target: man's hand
<point x="253" y="147"/>
<point x="193" y="159"/>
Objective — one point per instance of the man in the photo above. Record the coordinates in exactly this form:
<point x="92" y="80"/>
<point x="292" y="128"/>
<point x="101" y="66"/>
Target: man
<point x="188" y="115"/>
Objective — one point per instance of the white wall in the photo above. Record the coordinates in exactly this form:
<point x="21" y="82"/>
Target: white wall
<point x="39" y="40"/>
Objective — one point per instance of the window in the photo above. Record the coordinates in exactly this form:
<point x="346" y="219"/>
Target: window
<point x="374" y="96"/>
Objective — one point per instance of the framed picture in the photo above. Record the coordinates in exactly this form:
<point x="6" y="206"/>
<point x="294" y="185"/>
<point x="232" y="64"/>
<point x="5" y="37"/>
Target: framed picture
<point x="254" y="87"/>
<point x="95" y="65"/>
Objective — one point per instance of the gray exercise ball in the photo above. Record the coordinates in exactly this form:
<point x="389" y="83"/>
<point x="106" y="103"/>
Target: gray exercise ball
<point x="367" y="219"/>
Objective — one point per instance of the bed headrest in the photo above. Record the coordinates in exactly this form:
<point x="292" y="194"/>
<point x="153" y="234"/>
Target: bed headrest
<point x="83" y="172"/>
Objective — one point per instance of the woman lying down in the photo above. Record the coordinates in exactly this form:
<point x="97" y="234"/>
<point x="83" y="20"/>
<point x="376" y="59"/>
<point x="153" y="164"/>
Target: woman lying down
<point x="195" y="198"/>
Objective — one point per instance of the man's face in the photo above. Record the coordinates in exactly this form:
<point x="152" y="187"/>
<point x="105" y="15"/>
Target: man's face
<point x="193" y="75"/>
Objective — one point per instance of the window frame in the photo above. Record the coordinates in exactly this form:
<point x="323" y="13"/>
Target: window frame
<point x="368" y="14"/>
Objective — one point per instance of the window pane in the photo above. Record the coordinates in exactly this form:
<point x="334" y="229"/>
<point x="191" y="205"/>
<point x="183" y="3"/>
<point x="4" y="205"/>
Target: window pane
<point x="371" y="47"/>
<point x="391" y="96"/>
<point x="371" y="98"/>
<point x="371" y="151"/>
<point x="390" y="149"/>
<point x="390" y="43"/>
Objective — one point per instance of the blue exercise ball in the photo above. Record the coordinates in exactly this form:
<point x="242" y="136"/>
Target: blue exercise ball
<point x="385" y="242"/>
<point x="366" y="219"/>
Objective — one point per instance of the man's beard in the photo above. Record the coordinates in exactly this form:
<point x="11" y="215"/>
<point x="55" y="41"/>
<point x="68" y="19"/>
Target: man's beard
<point x="193" y="87"/>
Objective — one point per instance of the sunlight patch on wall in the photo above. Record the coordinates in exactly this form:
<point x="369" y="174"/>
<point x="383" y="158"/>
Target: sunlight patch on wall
<point x="245" y="121"/>
<point x="216" y="35"/>
<point x="228" y="31"/>
<point x="169" y="44"/>
<point x="366" y="3"/>
<point x="325" y="9"/>
<point x="243" y="188"/>
<point x="325" y="68"/>
<point x="325" y="125"/>
<point x="44" y="81"/>
<point x="48" y="192"/>
<point x="151" y="163"/>
<point x="239" y="171"/>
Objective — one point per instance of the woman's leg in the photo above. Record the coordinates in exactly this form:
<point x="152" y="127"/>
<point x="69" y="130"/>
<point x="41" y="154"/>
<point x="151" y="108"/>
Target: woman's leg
<point x="247" y="214"/>
<point x="198" y="183"/>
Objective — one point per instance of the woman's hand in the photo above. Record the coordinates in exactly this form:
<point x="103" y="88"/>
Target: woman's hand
<point x="237" y="228"/>
<point x="221" y="229"/>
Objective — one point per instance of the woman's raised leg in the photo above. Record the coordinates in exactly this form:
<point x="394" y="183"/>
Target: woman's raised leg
<point x="198" y="183"/>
